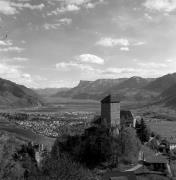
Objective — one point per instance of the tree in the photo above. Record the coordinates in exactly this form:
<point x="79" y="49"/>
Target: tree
<point x="129" y="144"/>
<point x="143" y="131"/>
<point x="64" y="168"/>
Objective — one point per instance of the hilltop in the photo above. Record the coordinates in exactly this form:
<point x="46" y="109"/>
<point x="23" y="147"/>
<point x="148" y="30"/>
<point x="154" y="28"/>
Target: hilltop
<point x="15" y="95"/>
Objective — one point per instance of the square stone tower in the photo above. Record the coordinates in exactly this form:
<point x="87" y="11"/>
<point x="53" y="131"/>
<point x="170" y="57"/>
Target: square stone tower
<point x="110" y="111"/>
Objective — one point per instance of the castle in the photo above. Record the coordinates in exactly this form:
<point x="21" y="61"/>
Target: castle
<point x="112" y="116"/>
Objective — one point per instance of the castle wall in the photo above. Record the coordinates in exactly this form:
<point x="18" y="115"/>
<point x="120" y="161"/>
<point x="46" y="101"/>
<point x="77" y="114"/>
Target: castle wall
<point x="106" y="114"/>
<point x="110" y="113"/>
<point x="115" y="114"/>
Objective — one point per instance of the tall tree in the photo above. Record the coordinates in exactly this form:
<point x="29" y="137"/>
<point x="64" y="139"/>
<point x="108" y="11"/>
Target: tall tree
<point x="143" y="131"/>
<point x="129" y="144"/>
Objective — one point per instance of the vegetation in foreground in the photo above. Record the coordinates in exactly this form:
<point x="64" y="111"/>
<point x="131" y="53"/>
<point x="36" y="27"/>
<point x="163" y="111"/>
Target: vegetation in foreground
<point x="75" y="157"/>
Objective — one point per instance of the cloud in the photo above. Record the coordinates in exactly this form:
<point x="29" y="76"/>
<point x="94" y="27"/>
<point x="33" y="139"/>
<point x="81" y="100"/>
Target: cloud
<point x="148" y="17"/>
<point x="124" y="49"/>
<point x="6" y="43"/>
<point x="27" y="5"/>
<point x="110" y="42"/>
<point x="63" y="21"/>
<point x="81" y="64"/>
<point x="48" y="26"/>
<point x="11" y="8"/>
<point x="67" y="8"/>
<point x="12" y="49"/>
<point x="153" y="65"/>
<point x="120" y="71"/>
<point x="74" y="5"/>
<point x="90" y="5"/>
<point x="161" y="5"/>
<point x="90" y="58"/>
<point x="20" y="59"/>
<point x="6" y="8"/>
<point x="66" y="66"/>
<point x="14" y="73"/>
<point x="140" y="43"/>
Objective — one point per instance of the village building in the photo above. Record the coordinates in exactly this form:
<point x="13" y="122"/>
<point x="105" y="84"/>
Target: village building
<point x="156" y="163"/>
<point x="172" y="144"/>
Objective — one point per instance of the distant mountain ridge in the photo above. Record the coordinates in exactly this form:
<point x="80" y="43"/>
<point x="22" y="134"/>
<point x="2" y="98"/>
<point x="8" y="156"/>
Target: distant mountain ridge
<point x="91" y="89"/>
<point x="49" y="91"/>
<point x="162" y="83"/>
<point x="101" y="87"/>
<point x="162" y="89"/>
<point x="14" y="95"/>
<point x="168" y="97"/>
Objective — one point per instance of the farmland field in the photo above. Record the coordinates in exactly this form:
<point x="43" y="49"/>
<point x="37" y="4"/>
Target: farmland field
<point x="53" y="105"/>
<point x="167" y="129"/>
<point x="161" y="120"/>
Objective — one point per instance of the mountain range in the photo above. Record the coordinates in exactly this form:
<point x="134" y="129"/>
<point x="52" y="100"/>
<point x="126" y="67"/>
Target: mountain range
<point x="49" y="91"/>
<point x="14" y="95"/>
<point x="162" y="89"/>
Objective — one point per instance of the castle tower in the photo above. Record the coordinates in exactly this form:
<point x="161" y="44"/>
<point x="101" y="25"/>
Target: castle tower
<point x="110" y="111"/>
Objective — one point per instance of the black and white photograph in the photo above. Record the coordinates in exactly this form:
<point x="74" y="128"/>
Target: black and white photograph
<point x="87" y="89"/>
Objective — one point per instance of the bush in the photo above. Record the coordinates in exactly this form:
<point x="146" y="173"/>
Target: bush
<point x="64" y="169"/>
<point x="91" y="149"/>
<point x="129" y="145"/>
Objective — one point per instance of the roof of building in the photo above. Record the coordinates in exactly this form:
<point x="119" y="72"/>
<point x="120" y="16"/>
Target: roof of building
<point x="111" y="99"/>
<point x="156" y="159"/>
<point x="127" y="115"/>
<point x="172" y="141"/>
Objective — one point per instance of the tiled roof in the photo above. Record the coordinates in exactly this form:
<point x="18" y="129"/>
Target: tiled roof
<point x="110" y="99"/>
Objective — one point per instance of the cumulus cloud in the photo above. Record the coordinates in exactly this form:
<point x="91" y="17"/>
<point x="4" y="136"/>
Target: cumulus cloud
<point x="153" y="65"/>
<point x="20" y="59"/>
<point x="10" y="8"/>
<point x="27" y="5"/>
<point x="63" y="9"/>
<point x="140" y="43"/>
<point x="90" y="58"/>
<point x="74" y="5"/>
<point x="66" y="66"/>
<point x="6" y="8"/>
<point x="6" y="43"/>
<point x="111" y="42"/>
<point x="63" y="21"/>
<point x="48" y="26"/>
<point x="121" y="71"/>
<point x="161" y="5"/>
<point x="12" y="49"/>
<point x="15" y="74"/>
<point x="124" y="49"/>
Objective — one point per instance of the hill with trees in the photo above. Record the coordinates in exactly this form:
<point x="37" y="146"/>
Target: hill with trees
<point x="14" y="95"/>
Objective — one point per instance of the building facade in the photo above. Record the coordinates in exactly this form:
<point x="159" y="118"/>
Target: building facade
<point x="112" y="116"/>
<point x="110" y="111"/>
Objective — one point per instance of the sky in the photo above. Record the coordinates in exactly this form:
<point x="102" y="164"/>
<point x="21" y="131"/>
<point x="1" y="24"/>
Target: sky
<point x="57" y="43"/>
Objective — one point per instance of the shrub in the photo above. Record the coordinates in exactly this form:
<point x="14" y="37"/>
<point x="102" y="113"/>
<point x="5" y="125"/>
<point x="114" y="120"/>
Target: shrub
<point x="64" y="169"/>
